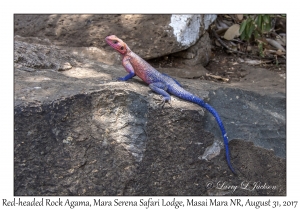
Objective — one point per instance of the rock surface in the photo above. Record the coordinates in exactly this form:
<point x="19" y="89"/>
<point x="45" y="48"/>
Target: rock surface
<point x="79" y="132"/>
<point x="149" y="36"/>
<point x="199" y="53"/>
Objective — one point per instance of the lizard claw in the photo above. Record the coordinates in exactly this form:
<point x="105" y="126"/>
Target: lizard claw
<point x="163" y="101"/>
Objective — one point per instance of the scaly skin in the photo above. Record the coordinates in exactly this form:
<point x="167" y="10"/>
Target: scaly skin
<point x="161" y="83"/>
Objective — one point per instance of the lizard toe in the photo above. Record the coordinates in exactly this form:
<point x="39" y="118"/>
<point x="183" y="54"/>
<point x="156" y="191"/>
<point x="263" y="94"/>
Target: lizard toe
<point x="120" y="79"/>
<point x="163" y="100"/>
<point x="160" y="101"/>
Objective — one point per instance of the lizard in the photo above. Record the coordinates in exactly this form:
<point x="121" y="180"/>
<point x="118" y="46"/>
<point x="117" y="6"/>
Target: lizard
<point x="161" y="84"/>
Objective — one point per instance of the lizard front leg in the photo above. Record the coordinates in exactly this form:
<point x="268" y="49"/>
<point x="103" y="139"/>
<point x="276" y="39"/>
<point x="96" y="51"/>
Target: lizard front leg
<point x="128" y="67"/>
<point x="160" y="88"/>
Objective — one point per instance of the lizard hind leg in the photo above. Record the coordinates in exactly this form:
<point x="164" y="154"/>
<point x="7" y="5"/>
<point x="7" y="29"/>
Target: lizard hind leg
<point x="160" y="88"/>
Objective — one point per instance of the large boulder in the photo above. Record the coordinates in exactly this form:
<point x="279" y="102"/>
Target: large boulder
<point x="149" y="36"/>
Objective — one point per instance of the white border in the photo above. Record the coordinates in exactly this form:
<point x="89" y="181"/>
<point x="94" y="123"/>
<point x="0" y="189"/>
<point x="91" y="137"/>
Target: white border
<point x="154" y="6"/>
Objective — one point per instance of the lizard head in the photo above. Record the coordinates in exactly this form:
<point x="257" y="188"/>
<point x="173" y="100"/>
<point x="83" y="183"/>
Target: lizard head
<point x="117" y="44"/>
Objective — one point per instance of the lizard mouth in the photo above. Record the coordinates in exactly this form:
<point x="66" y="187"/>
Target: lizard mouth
<point x="109" y="42"/>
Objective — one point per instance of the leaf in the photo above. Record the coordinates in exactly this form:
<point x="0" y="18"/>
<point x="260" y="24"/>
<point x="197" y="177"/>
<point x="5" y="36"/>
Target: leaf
<point x="281" y="41"/>
<point x="259" y="22"/>
<point x="260" y="47"/>
<point x="251" y="28"/>
<point x="256" y="34"/>
<point x="233" y="31"/>
<point x="243" y="36"/>
<point x="253" y="62"/>
<point x="218" y="43"/>
<point x="267" y="27"/>
<point x="274" y="43"/>
<point x="266" y="18"/>
<point x="243" y="26"/>
<point x="248" y="35"/>
<point x="279" y="52"/>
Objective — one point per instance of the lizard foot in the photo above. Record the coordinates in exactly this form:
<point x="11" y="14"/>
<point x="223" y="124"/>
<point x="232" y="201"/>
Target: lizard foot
<point x="162" y="101"/>
<point x="120" y="79"/>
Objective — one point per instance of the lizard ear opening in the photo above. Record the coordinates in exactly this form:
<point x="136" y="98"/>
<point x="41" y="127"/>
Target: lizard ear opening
<point x="122" y="48"/>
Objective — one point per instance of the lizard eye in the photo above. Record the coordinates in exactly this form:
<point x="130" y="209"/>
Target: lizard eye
<point x="115" y="42"/>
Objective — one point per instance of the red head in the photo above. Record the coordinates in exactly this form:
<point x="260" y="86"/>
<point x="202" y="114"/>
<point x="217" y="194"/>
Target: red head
<point x="117" y="44"/>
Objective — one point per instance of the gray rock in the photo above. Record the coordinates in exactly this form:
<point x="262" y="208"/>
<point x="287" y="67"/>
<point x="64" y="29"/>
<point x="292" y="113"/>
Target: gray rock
<point x="150" y="36"/>
<point x="32" y="57"/>
<point x="190" y="63"/>
<point x="199" y="53"/>
<point x="252" y="116"/>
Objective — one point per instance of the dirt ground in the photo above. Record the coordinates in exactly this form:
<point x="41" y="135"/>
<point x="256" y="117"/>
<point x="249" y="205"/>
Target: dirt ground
<point x="229" y="65"/>
<point x="223" y="64"/>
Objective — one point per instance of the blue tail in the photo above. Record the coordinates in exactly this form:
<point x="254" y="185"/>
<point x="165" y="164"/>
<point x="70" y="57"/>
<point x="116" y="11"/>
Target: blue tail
<point x="181" y="93"/>
<point x="219" y="121"/>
